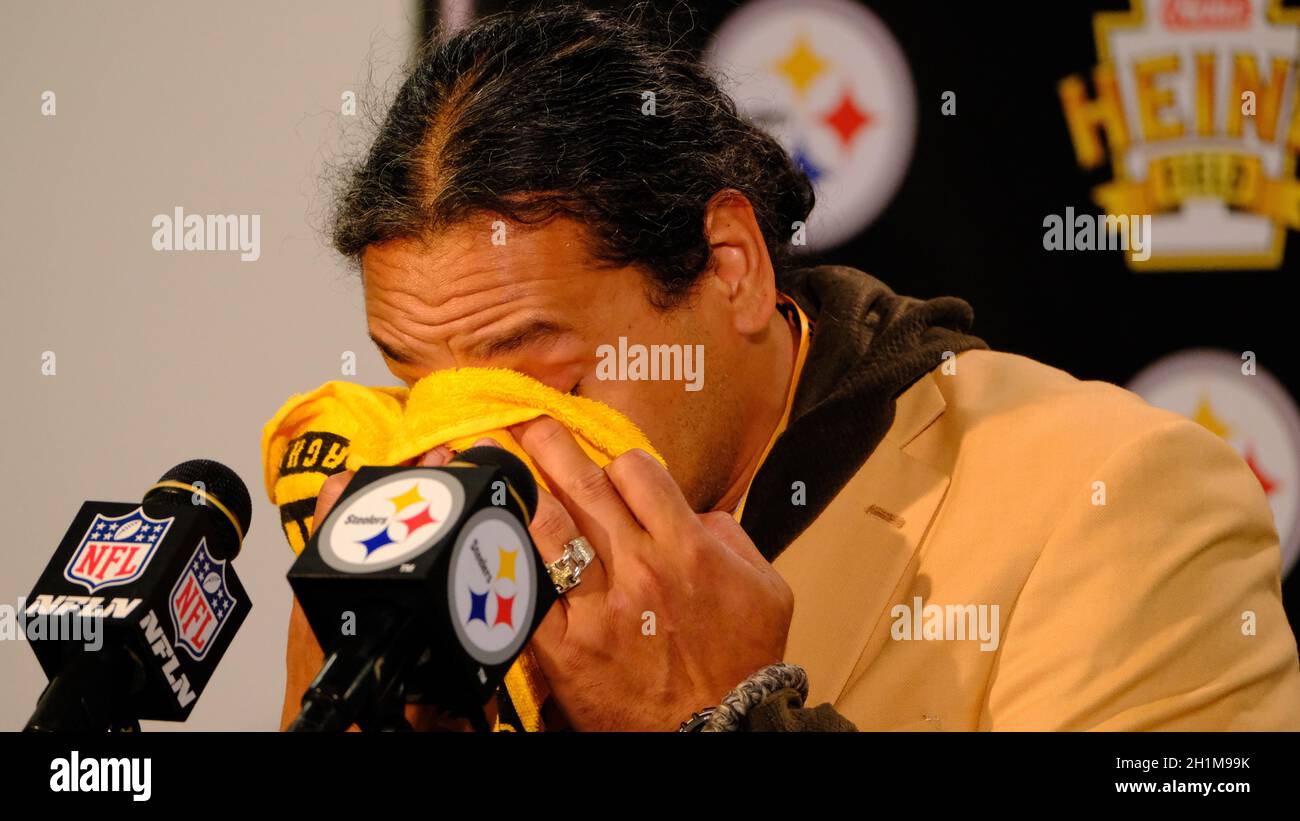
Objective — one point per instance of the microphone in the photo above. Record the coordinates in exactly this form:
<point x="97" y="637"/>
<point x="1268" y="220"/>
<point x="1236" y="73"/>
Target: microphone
<point x="422" y="585"/>
<point x="139" y="603"/>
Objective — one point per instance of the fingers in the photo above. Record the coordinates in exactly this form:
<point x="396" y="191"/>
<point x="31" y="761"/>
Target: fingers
<point x="582" y="487"/>
<point x="328" y="495"/>
<point x="651" y="494"/>
<point x="552" y="528"/>
<point x="435" y="458"/>
<point x="724" y="527"/>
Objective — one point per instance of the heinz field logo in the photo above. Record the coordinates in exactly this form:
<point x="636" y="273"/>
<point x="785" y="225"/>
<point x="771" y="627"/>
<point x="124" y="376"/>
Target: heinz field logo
<point x="115" y="550"/>
<point x="201" y="602"/>
<point x="1194" y="105"/>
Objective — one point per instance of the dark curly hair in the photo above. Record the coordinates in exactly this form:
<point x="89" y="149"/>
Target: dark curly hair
<point x="536" y="114"/>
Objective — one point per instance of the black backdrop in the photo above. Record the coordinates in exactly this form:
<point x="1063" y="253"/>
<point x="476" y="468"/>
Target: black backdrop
<point x="968" y="218"/>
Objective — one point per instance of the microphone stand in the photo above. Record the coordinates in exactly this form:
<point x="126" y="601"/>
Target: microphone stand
<point x="361" y="680"/>
<point x="362" y="683"/>
<point x="88" y="695"/>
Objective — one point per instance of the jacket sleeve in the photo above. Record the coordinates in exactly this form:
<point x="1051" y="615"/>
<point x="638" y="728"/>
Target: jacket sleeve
<point x="1160" y="609"/>
<point x="783" y="712"/>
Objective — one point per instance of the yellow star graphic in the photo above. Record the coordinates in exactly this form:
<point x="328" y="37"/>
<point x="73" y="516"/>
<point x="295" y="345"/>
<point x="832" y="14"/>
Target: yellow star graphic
<point x="801" y="65"/>
<point x="507" y="563"/>
<point x="410" y="497"/>
<point x="1205" y="417"/>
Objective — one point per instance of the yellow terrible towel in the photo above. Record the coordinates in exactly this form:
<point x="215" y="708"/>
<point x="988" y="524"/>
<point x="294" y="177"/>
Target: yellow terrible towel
<point x="343" y="426"/>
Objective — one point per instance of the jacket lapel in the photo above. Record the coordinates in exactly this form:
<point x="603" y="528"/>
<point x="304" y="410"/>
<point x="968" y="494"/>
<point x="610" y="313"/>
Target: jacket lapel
<point x="845" y="567"/>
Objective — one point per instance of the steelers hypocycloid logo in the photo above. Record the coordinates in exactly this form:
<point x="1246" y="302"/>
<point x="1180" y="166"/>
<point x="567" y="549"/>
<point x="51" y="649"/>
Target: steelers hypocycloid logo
<point x="391" y="521"/>
<point x="491" y="588"/>
<point x="1252" y="412"/>
<point x="829" y="81"/>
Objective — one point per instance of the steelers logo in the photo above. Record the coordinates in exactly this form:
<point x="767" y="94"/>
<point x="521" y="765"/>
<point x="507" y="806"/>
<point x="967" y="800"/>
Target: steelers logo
<point x="827" y="79"/>
<point x="1253" y="413"/>
<point x="491" y="588"/>
<point x="390" y="521"/>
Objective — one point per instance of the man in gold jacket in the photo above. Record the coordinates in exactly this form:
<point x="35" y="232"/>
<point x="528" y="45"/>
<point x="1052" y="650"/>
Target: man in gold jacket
<point x="868" y="518"/>
<point x="1130" y="555"/>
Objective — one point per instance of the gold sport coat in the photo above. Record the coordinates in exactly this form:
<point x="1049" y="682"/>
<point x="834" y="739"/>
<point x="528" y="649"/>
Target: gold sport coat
<point x="1130" y="553"/>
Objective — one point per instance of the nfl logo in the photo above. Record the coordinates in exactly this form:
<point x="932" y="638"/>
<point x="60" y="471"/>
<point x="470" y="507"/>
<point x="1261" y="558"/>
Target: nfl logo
<point x="200" y="602"/>
<point x="115" y="549"/>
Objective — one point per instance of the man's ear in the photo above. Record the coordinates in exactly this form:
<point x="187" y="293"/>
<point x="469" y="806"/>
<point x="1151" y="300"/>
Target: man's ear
<point x="740" y="265"/>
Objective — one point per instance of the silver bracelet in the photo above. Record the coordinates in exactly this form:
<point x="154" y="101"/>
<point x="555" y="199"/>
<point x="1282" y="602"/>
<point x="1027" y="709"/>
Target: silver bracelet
<point x="752" y="691"/>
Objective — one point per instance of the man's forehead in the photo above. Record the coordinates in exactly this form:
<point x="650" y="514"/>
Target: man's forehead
<point x="478" y="301"/>
<point x="465" y="262"/>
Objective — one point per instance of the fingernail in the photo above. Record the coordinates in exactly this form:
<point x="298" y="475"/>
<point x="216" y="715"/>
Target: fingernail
<point x="487" y="442"/>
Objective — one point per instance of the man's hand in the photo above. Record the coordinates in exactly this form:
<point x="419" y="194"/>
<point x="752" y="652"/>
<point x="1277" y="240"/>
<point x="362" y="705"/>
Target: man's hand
<point x="303" y="655"/>
<point x="675" y="610"/>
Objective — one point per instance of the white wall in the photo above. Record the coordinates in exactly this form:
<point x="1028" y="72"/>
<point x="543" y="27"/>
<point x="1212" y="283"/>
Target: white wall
<point x="229" y="107"/>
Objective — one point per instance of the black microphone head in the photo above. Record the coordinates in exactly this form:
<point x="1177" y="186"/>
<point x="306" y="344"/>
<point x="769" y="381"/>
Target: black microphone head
<point x="226" y="494"/>
<point x="517" y="474"/>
